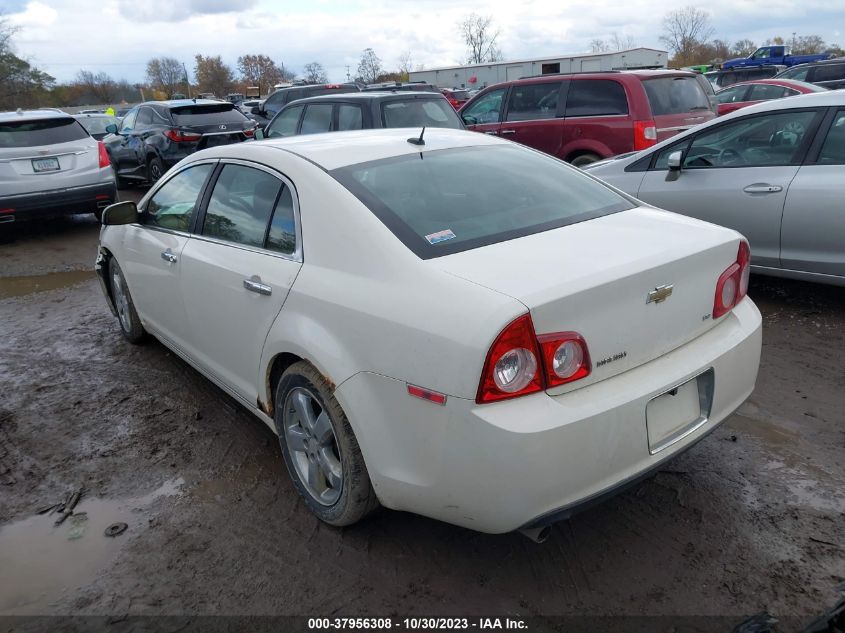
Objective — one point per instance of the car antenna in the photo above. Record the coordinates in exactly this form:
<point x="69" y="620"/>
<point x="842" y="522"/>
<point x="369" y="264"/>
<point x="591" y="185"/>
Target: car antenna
<point x="418" y="141"/>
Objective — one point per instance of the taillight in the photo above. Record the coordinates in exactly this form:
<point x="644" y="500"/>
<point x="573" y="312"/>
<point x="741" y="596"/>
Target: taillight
<point x="103" y="155"/>
<point x="178" y="136"/>
<point x="250" y="132"/>
<point x="565" y="357"/>
<point x="645" y="134"/>
<point x="519" y="362"/>
<point x="512" y="367"/>
<point x="732" y="285"/>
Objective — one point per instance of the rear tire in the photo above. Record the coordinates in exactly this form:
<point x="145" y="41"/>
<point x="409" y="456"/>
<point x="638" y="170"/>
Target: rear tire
<point x="320" y="449"/>
<point x="127" y="316"/>
<point x="584" y="159"/>
<point x="155" y="170"/>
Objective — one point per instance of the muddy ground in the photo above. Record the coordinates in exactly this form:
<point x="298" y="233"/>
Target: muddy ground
<point x="751" y="519"/>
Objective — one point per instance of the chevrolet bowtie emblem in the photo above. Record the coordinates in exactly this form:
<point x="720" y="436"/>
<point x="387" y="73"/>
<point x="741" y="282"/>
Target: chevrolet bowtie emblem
<point x="660" y="293"/>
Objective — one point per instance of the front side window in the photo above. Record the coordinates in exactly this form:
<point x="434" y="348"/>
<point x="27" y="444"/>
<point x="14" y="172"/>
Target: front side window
<point x="754" y="141"/>
<point x="833" y="150"/>
<point x="799" y="73"/>
<point x="734" y="94"/>
<point x="274" y="103"/>
<point x="173" y="206"/>
<point x="419" y="113"/>
<point x="318" y="118"/>
<point x="128" y="122"/>
<point x="241" y="204"/>
<point x="144" y="120"/>
<point x="448" y="201"/>
<point x="533" y="101"/>
<point x="829" y="72"/>
<point x="486" y="110"/>
<point x="661" y="161"/>
<point x="284" y="124"/>
<point x="349" y="117"/>
<point x="596" y="97"/>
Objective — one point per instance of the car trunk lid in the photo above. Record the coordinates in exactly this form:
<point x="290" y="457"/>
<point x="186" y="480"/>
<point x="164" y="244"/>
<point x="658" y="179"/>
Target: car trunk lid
<point x="678" y="102"/>
<point x="609" y="279"/>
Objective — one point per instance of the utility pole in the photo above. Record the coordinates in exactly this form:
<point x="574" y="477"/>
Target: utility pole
<point x="347" y="73"/>
<point x="793" y="39"/>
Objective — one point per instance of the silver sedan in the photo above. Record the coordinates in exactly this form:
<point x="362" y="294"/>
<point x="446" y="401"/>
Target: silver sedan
<point x="775" y="172"/>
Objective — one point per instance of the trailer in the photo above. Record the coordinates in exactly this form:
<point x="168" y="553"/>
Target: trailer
<point x="472" y="76"/>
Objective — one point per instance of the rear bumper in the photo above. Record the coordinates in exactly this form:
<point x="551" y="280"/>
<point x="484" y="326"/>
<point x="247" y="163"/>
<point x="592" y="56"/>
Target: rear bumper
<point x="66" y="201"/>
<point x="537" y="459"/>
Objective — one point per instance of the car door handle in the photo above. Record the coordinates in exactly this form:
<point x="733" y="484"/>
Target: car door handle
<point x="503" y="132"/>
<point x="492" y="132"/>
<point x="762" y="187"/>
<point x="255" y="285"/>
<point x="169" y="257"/>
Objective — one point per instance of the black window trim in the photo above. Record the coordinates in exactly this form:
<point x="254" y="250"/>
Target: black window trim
<point x="199" y="216"/>
<point x="812" y="156"/>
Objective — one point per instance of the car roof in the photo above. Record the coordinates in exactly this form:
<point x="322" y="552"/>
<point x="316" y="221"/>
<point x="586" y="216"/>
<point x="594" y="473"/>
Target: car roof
<point x="93" y="115"/>
<point x="371" y="96"/>
<point x="332" y="150"/>
<point x="29" y="115"/>
<point x="812" y="100"/>
<point x="175" y="103"/>
<point x="835" y="60"/>
<point x="774" y="81"/>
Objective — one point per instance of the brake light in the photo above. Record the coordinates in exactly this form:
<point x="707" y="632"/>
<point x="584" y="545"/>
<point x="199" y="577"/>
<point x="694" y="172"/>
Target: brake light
<point x="645" y="134"/>
<point x="732" y="285"/>
<point x="178" y="136"/>
<point x="250" y="132"/>
<point x="519" y="362"/>
<point x="103" y="155"/>
<point x="565" y="357"/>
<point x="333" y="86"/>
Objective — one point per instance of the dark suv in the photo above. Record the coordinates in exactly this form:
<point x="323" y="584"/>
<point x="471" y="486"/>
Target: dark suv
<point x="363" y="111"/>
<point x="829" y="73"/>
<point x="156" y="135"/>
<point x="584" y="117"/>
<point x="730" y="76"/>
<point x="281" y="98"/>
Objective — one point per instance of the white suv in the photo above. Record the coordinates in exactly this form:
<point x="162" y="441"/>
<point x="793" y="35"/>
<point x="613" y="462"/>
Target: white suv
<point x="49" y="164"/>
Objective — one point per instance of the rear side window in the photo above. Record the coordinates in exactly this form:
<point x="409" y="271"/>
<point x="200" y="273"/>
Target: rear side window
<point x="829" y="72"/>
<point x="282" y="235"/>
<point x="595" y="97"/>
<point x="420" y="112"/>
<point x="318" y="118"/>
<point x="799" y="73"/>
<point x="172" y="206"/>
<point x="349" y="117"/>
<point x="533" y="101"/>
<point x="764" y="92"/>
<point x="447" y="201"/>
<point x="675" y="95"/>
<point x="241" y="204"/>
<point x="207" y="114"/>
<point x="40" y="132"/>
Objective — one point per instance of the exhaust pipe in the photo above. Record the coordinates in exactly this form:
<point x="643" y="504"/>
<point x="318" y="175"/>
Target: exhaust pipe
<point x="538" y="534"/>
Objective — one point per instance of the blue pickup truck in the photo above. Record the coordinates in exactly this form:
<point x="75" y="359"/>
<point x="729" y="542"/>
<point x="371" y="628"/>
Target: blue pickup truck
<point x="779" y="55"/>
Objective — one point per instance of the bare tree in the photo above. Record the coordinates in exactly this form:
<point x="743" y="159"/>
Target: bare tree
<point x="808" y="45"/>
<point x="166" y="74"/>
<point x="743" y="48"/>
<point x="315" y="73"/>
<point x="405" y="65"/>
<point x="621" y="42"/>
<point x="480" y="37"/>
<point x="685" y="30"/>
<point x="213" y="75"/>
<point x="100" y="86"/>
<point x="369" y="68"/>
<point x="20" y="83"/>
<point x="598" y="46"/>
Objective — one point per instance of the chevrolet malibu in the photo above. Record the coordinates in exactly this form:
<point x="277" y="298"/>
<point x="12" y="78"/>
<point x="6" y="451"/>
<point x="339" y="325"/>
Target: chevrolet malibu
<point x="439" y="322"/>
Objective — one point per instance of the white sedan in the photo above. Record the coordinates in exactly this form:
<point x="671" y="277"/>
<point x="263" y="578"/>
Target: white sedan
<point x="456" y="326"/>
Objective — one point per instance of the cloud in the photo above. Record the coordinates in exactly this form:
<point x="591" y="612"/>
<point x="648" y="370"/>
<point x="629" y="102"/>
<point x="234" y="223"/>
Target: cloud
<point x="178" y="10"/>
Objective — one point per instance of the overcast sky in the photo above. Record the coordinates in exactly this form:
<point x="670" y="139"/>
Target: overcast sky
<point x="119" y="36"/>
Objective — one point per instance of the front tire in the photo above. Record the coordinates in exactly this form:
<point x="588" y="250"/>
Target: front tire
<point x="130" y="323"/>
<point x="155" y="170"/>
<point x="320" y="449"/>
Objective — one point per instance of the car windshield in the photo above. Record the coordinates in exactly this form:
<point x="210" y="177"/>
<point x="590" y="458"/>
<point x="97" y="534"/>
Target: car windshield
<point x="40" y="132"/>
<point x="448" y="201"/>
<point x="207" y="114"/>
<point x="419" y="113"/>
<point x="97" y="125"/>
<point x="675" y="95"/>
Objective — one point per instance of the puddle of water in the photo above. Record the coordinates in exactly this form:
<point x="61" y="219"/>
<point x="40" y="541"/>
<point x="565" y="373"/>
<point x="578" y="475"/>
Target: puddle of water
<point x="21" y="286"/>
<point x="41" y="562"/>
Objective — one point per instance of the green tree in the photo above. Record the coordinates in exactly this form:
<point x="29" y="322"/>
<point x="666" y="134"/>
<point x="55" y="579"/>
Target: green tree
<point x="21" y="84"/>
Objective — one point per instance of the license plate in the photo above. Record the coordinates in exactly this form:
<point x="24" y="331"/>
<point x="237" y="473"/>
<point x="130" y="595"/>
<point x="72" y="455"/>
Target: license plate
<point x="673" y="415"/>
<point x="221" y="139"/>
<point x="45" y="164"/>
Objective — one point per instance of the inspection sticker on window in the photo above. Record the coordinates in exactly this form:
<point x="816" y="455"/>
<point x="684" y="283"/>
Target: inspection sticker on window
<point x="440" y="236"/>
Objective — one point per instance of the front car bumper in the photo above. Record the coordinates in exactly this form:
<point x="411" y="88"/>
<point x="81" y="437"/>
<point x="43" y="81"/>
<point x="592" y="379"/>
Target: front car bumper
<point x="536" y="459"/>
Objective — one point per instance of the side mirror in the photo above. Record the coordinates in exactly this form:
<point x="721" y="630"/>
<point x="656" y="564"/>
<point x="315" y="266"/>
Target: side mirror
<point x="120" y="213"/>
<point x="259" y="134"/>
<point x="111" y="128"/>
<point x="255" y="110"/>
<point x="674" y="164"/>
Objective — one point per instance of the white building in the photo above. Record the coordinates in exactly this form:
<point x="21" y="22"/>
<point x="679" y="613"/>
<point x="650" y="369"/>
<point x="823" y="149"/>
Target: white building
<point x="481" y="75"/>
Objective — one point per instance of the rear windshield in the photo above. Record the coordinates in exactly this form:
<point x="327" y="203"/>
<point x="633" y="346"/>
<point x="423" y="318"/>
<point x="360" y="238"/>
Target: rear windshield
<point x="675" y="95"/>
<point x="420" y="112"/>
<point x="460" y="94"/>
<point x="448" y="201"/>
<point x="207" y="114"/>
<point x="40" y="132"/>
